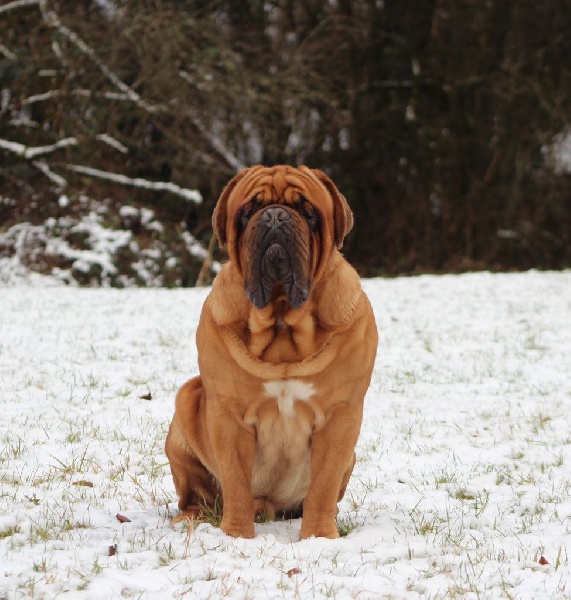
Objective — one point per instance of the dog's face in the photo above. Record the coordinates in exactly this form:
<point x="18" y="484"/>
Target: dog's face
<point x="278" y="249"/>
<point x="281" y="225"/>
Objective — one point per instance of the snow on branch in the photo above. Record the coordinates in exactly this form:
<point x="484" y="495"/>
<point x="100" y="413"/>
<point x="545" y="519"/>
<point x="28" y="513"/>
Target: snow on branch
<point x="7" y="53"/>
<point x="53" y="177"/>
<point x="215" y="142"/>
<point x="111" y="141"/>
<point x="161" y="186"/>
<point x="196" y="249"/>
<point x="218" y="145"/>
<point x="51" y="19"/>
<point x="85" y="93"/>
<point x="18" y="4"/>
<point x="32" y="152"/>
<point x="128" y="93"/>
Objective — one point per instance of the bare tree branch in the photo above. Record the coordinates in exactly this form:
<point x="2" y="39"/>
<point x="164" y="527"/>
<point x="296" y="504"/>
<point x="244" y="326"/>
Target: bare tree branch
<point x="52" y="20"/>
<point x="196" y="249"/>
<point x="215" y="142"/>
<point x="128" y="93"/>
<point x="207" y="265"/>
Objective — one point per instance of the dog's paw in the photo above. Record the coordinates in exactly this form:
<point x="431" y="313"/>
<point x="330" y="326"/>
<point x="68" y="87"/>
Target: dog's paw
<point x="320" y="529"/>
<point x="238" y="530"/>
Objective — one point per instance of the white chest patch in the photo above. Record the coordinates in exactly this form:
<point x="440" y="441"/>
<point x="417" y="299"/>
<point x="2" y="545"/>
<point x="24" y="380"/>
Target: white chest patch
<point x="288" y="392"/>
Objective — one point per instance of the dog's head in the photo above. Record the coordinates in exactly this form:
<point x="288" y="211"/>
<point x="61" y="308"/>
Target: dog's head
<point x="281" y="225"/>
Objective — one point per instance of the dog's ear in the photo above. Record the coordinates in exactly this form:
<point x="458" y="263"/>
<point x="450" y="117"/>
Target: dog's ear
<point x="220" y="214"/>
<point x="342" y="214"/>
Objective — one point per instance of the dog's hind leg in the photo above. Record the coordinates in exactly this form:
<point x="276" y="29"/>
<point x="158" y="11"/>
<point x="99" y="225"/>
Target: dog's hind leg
<point x="197" y="488"/>
<point x="346" y="477"/>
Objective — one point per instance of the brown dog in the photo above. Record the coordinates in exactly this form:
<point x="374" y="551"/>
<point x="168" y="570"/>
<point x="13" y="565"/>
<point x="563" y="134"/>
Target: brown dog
<point x="286" y="345"/>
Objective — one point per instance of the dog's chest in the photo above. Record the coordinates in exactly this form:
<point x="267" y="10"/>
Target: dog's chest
<point x="287" y="393"/>
<point x="284" y="424"/>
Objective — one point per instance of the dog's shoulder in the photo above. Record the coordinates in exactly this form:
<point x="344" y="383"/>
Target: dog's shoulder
<point x="339" y="297"/>
<point x="227" y="304"/>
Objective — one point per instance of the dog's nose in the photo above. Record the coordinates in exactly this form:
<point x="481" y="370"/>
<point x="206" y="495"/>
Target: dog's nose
<point x="273" y="216"/>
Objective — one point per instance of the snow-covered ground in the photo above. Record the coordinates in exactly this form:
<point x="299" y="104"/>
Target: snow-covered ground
<point x="461" y="489"/>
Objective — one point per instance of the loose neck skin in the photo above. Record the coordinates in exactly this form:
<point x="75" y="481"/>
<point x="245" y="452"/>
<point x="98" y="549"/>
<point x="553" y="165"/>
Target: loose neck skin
<point x="279" y="333"/>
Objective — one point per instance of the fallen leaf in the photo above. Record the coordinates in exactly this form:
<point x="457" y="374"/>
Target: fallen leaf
<point x="543" y="561"/>
<point x="146" y="396"/>
<point x="113" y="550"/>
<point x="294" y="571"/>
<point x="122" y="518"/>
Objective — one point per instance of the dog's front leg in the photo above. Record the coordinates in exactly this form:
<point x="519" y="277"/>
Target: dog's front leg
<point x="234" y="447"/>
<point x="332" y="460"/>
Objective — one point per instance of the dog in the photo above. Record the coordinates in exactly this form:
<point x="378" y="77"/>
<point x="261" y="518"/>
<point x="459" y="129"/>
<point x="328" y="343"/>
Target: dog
<point x="286" y="345"/>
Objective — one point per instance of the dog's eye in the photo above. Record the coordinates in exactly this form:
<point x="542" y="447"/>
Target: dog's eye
<point x="247" y="212"/>
<point x="308" y="212"/>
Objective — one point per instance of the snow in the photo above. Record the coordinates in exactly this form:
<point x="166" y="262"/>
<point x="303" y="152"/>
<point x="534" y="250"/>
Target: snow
<point x="461" y="488"/>
<point x="13" y="270"/>
<point x="129" y="212"/>
<point x="558" y="153"/>
<point x="195" y="248"/>
<point x="104" y="244"/>
<point x="109" y="8"/>
<point x="85" y="245"/>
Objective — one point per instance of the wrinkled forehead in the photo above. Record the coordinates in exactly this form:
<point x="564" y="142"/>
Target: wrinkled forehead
<point x="281" y="185"/>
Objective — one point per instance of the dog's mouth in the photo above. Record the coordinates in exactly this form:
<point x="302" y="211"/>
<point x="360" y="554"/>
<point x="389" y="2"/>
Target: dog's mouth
<point x="278" y="261"/>
<point x="277" y="266"/>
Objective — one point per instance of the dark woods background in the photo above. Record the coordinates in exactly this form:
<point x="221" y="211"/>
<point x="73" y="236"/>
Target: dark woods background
<point x="434" y="118"/>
